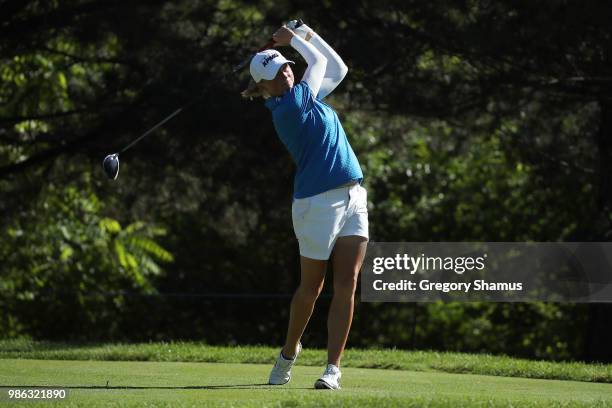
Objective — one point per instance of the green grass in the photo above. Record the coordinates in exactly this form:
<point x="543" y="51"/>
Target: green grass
<point x="389" y="359"/>
<point x="186" y="384"/>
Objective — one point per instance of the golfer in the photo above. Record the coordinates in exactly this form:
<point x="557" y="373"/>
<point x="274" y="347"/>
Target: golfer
<point x="329" y="211"/>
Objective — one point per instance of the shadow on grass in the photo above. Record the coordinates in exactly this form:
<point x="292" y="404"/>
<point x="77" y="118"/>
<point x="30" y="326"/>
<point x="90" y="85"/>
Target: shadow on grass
<point x="129" y="387"/>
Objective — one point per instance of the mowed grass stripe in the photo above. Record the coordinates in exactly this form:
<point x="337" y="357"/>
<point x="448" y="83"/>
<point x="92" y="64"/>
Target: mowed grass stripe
<point x="389" y="359"/>
<point x="214" y="384"/>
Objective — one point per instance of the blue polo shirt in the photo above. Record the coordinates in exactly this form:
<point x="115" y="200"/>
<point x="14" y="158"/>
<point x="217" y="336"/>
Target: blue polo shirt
<point x="311" y="131"/>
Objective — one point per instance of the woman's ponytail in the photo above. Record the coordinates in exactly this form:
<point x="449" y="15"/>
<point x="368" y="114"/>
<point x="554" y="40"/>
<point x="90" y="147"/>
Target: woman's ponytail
<point x="252" y="91"/>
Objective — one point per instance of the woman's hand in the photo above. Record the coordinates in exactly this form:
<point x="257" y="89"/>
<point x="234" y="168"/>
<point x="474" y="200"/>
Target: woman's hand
<point x="282" y="36"/>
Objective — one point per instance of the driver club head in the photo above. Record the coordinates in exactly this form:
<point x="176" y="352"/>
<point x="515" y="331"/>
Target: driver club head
<point x="111" y="165"/>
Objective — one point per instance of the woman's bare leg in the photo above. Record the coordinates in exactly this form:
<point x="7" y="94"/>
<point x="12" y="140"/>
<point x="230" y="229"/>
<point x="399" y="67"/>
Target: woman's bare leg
<point x="348" y="255"/>
<point x="312" y="277"/>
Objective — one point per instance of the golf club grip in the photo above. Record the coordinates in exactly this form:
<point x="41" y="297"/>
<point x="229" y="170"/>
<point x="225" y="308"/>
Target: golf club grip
<point x="269" y="44"/>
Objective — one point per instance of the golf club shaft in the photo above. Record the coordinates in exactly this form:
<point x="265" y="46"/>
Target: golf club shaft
<point x="237" y="68"/>
<point x="246" y="61"/>
<point x="173" y="114"/>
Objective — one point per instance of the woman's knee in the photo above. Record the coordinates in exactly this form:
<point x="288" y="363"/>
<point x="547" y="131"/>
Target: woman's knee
<point x="346" y="283"/>
<point x="310" y="289"/>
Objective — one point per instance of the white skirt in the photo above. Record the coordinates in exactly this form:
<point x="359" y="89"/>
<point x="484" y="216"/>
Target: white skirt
<point x="319" y="220"/>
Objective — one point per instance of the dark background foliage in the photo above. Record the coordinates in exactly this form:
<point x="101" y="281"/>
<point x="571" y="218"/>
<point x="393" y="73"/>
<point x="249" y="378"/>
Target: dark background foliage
<point x="472" y="120"/>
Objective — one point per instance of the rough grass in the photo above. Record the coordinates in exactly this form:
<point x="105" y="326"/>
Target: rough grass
<point x="388" y="359"/>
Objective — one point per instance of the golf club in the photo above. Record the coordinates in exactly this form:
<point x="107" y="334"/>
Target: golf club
<point x="110" y="164"/>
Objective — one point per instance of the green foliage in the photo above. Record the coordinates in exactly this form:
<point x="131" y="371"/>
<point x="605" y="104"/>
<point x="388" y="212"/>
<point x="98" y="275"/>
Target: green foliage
<point x="476" y="121"/>
<point x="62" y="247"/>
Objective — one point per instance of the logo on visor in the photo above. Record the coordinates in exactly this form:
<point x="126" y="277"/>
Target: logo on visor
<point x="268" y="59"/>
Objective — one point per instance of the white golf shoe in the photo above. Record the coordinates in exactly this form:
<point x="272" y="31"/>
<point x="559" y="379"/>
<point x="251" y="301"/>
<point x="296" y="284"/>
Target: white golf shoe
<point x="330" y="379"/>
<point x="281" y="372"/>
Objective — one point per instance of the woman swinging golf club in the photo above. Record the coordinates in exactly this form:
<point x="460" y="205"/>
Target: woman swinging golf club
<point x="329" y="210"/>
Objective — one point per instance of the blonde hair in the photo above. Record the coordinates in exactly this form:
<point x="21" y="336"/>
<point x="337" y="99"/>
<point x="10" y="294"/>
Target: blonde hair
<point x="253" y="91"/>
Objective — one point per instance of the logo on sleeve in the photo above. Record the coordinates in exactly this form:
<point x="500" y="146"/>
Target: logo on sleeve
<point x="268" y="59"/>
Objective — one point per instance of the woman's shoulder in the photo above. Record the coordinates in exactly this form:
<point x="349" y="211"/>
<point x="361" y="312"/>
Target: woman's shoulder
<point x="299" y="98"/>
<point x="298" y="92"/>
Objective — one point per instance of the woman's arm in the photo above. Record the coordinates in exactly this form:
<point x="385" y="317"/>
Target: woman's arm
<point x="316" y="60"/>
<point x="336" y="69"/>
